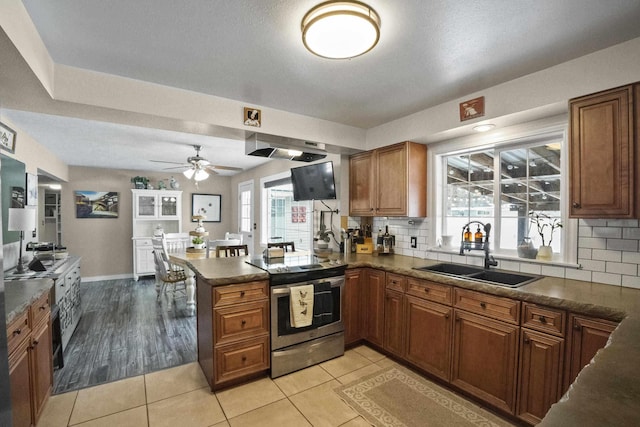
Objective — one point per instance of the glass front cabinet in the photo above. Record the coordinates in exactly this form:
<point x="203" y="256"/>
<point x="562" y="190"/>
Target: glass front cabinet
<point x="156" y="204"/>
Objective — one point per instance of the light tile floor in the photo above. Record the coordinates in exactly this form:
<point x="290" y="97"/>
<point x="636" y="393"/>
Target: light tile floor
<point x="181" y="397"/>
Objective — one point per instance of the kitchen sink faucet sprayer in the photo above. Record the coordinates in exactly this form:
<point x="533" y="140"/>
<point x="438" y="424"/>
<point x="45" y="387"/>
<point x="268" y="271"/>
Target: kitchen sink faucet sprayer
<point x="489" y="260"/>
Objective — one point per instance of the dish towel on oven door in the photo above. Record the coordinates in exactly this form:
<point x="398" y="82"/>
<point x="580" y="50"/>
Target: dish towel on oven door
<point x="323" y="304"/>
<point x="301" y="306"/>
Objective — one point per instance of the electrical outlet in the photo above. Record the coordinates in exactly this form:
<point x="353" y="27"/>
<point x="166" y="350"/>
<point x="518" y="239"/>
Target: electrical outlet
<point x="414" y="242"/>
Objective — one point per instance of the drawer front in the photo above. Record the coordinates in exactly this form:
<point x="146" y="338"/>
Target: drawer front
<point x="143" y="242"/>
<point x="18" y="330"/>
<point x="240" y="359"/>
<point x="430" y="291"/>
<point x="72" y="276"/>
<point x="240" y="321"/>
<point x="245" y="292"/>
<point x="543" y="319"/>
<point x="498" y="308"/>
<point x="396" y="282"/>
<point x="41" y="309"/>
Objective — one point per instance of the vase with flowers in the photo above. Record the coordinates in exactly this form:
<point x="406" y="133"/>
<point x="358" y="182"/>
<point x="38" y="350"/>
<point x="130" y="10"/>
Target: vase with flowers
<point x="546" y="226"/>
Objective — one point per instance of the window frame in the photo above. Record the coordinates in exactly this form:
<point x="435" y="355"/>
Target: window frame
<point x="519" y="136"/>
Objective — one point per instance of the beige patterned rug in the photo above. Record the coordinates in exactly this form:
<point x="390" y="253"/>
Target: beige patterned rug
<point x="398" y="397"/>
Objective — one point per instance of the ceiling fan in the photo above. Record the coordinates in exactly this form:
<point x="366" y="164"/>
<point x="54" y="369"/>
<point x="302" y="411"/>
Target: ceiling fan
<point x="198" y="167"/>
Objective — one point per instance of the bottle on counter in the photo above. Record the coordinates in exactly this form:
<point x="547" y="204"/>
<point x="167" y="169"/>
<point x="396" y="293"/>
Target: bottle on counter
<point x="478" y="238"/>
<point x="467" y="237"/>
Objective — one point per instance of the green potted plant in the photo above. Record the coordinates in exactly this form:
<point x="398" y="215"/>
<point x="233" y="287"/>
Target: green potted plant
<point x="198" y="242"/>
<point x="140" y="182"/>
<point x="546" y="227"/>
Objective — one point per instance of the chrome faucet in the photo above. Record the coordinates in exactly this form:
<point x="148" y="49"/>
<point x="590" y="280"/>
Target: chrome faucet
<point x="489" y="260"/>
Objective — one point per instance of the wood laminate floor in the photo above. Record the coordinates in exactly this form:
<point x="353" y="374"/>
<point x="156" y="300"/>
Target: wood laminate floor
<point x="126" y="331"/>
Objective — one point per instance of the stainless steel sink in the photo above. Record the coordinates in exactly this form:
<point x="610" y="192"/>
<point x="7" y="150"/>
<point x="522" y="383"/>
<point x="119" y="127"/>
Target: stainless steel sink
<point x="501" y="278"/>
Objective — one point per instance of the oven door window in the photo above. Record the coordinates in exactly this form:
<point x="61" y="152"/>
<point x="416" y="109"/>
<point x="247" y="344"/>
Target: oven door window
<point x="284" y="318"/>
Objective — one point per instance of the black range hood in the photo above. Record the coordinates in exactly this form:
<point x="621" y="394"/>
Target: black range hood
<point x="279" y="147"/>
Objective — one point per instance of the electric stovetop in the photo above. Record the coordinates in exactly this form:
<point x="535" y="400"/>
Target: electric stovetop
<point x="298" y="268"/>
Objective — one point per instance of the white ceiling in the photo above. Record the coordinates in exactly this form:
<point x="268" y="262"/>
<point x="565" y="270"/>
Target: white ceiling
<point x="429" y="52"/>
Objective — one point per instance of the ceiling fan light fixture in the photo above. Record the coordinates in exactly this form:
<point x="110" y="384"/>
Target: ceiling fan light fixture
<point x="189" y="173"/>
<point x="200" y="175"/>
<point x="340" y="29"/>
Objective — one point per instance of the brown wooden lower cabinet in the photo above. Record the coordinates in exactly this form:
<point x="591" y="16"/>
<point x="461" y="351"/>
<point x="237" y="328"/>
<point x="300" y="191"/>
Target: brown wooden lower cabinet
<point x="353" y="305"/>
<point x="30" y="362"/>
<point x="394" y="322"/>
<point x="485" y="355"/>
<point x="428" y="336"/>
<point x="585" y="336"/>
<point x="233" y="331"/>
<point x="374" y="307"/>
<point x="540" y="374"/>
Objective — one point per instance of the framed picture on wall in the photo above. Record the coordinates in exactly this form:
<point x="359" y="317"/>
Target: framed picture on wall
<point x="7" y="138"/>
<point x="207" y="205"/>
<point x="32" y="189"/>
<point x="96" y="204"/>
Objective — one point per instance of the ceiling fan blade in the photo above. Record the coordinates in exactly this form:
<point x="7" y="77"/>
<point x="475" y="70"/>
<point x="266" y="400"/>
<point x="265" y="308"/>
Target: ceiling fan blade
<point x="175" y="167"/>
<point x="210" y="170"/>
<point x="226" y="168"/>
<point x="175" y="163"/>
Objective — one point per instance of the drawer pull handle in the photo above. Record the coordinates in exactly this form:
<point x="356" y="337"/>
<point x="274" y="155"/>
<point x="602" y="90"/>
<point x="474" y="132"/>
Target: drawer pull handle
<point x="543" y="320"/>
<point x="17" y="332"/>
<point x="426" y="290"/>
<point x="244" y="358"/>
<point x="35" y="342"/>
<point x="241" y="293"/>
<point x="44" y="307"/>
<point x="244" y="322"/>
<point x="483" y="305"/>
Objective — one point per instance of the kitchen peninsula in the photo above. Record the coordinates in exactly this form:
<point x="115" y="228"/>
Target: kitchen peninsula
<point x="604" y="393"/>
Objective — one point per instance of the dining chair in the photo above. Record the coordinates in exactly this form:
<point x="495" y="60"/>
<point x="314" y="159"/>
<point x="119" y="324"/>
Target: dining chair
<point x="212" y="244"/>
<point x="284" y="245"/>
<point x="166" y="272"/>
<point x="175" y="242"/>
<point x="232" y="250"/>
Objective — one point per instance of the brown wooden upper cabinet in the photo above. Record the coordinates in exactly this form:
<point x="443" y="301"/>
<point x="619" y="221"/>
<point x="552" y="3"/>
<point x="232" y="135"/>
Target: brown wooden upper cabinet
<point x="389" y="181"/>
<point x="603" y="154"/>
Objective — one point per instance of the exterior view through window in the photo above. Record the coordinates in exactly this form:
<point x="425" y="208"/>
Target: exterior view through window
<point x="286" y="219"/>
<point x="502" y="186"/>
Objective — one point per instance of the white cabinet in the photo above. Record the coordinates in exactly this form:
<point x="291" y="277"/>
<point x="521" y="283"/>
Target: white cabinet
<point x="152" y="208"/>
<point x="67" y="296"/>
<point x="157" y="204"/>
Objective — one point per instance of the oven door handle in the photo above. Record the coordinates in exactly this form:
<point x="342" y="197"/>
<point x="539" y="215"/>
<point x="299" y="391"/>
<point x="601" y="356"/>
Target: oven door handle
<point x="286" y="290"/>
<point x="280" y="291"/>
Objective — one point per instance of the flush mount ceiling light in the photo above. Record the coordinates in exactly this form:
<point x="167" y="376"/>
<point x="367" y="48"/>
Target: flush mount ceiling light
<point x="484" y="128"/>
<point x="340" y="29"/>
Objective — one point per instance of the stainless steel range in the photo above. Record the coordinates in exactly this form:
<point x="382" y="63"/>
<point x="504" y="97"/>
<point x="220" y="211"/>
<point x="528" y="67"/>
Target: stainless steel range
<point x="294" y="348"/>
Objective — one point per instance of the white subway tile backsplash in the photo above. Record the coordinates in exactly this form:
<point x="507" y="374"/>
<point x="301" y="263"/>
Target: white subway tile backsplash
<point x="508" y="265"/>
<point x="608" y="278"/>
<point x="604" y="255"/>
<point x="584" y="253"/>
<point x="578" y="274"/>
<point x="592" y="242"/>
<point x="444" y="257"/>
<point x="585" y="231"/>
<point x="622" y="222"/>
<point x="631" y="281"/>
<point x="622" y="244"/>
<point x="592" y="265"/>
<point x="622" y="268"/>
<point x="608" y="232"/>
<point x="530" y="268"/>
<point x="631" y="233"/>
<point x="553" y="271"/>
<point x="631" y="257"/>
<point x="593" y="222"/>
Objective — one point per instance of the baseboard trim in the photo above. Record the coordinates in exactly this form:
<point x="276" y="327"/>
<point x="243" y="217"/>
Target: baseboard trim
<point x="112" y="277"/>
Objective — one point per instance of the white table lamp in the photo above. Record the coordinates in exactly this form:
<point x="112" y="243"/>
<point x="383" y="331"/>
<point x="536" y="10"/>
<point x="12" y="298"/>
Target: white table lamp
<point x="21" y="219"/>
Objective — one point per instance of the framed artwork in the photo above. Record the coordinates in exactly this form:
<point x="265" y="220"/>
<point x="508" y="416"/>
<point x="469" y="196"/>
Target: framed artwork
<point x="472" y="108"/>
<point x="17" y="197"/>
<point x="207" y="205"/>
<point x="32" y="189"/>
<point x="96" y="204"/>
<point x="7" y="138"/>
<point x="252" y="117"/>
<point x="298" y="214"/>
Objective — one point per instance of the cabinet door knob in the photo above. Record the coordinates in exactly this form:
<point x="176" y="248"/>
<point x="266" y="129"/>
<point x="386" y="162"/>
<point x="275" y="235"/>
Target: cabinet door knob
<point x="35" y="342"/>
<point x="17" y="332"/>
<point x="483" y="305"/>
<point x="576" y="205"/>
<point x="446" y="316"/>
<point x="527" y="340"/>
<point x="543" y="320"/>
